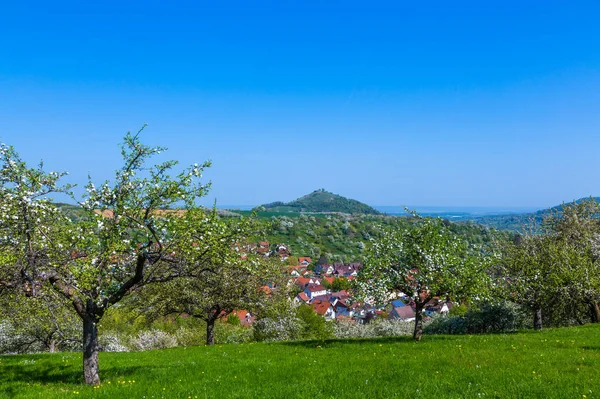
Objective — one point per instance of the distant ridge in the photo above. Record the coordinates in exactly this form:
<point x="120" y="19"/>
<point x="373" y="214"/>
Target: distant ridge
<point x="517" y="221"/>
<point x="321" y="201"/>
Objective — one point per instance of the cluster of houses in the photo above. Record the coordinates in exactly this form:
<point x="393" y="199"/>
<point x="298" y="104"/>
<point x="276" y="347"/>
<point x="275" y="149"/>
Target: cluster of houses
<point x="281" y="250"/>
<point x="338" y="305"/>
<point x="309" y="281"/>
<point x="328" y="271"/>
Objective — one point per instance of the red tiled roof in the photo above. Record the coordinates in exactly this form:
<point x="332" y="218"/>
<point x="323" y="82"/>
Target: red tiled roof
<point x="321" y="307"/>
<point x="302" y="281"/>
<point x="303" y="296"/>
<point x="246" y="318"/>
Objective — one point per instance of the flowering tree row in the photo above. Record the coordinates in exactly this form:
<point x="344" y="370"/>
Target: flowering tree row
<point x="143" y="228"/>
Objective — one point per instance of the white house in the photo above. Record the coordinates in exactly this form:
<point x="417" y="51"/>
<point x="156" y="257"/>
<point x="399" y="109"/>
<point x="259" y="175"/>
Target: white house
<point x="313" y="290"/>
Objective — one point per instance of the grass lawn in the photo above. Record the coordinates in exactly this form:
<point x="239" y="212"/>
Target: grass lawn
<point x="555" y="363"/>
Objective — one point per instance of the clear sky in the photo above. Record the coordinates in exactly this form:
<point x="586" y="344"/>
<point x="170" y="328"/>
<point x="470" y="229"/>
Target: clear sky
<point x="446" y="103"/>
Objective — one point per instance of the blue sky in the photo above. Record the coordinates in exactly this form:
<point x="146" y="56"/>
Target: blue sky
<point x="446" y="104"/>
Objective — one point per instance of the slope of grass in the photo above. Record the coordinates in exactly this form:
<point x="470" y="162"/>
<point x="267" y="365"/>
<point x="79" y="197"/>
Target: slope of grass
<point x="558" y="363"/>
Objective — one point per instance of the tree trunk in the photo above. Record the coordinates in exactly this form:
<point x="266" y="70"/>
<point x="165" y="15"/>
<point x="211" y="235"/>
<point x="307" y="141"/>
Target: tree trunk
<point x="90" y="350"/>
<point x="537" y="319"/>
<point x="52" y="346"/>
<point x="210" y="331"/>
<point x="418" y="322"/>
<point x="595" y="312"/>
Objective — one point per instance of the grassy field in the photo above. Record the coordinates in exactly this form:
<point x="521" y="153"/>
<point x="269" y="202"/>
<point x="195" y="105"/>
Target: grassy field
<point x="557" y="363"/>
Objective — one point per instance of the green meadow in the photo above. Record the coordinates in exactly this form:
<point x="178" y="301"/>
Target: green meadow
<point x="555" y="363"/>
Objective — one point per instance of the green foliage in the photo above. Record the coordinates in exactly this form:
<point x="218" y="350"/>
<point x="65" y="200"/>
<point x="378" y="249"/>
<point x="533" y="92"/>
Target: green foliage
<point x="340" y="284"/>
<point x="276" y="319"/>
<point x="38" y="324"/>
<point x="487" y="318"/>
<point x="459" y="310"/>
<point x="557" y="273"/>
<point x="334" y="238"/>
<point x="313" y="326"/>
<point x="292" y="261"/>
<point x="233" y="320"/>
<point x="427" y="259"/>
<point x="228" y="275"/>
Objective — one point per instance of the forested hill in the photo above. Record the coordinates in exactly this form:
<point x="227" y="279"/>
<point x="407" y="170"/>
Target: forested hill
<point x="516" y="222"/>
<point x="321" y="201"/>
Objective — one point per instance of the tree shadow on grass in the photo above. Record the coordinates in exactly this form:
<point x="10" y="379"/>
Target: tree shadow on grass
<point x="591" y="348"/>
<point x="406" y="339"/>
<point x="350" y="341"/>
<point x="15" y="375"/>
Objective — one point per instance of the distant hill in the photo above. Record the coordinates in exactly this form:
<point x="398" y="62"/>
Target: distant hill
<point x="518" y="221"/>
<point x="73" y="212"/>
<point x="321" y="201"/>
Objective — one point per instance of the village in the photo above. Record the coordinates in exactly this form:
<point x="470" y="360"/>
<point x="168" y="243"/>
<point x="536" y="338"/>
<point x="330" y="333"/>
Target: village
<point x="327" y="289"/>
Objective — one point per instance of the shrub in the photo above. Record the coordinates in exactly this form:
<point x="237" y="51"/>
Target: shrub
<point x="111" y="342"/>
<point x="459" y="310"/>
<point x="488" y="318"/>
<point x="233" y="320"/>
<point x="153" y="339"/>
<point x="284" y="328"/>
<point x="226" y="333"/>
<point x="10" y="341"/>
<point x="377" y="328"/>
<point x="448" y="325"/>
<point x="313" y="326"/>
<point x="345" y="330"/>
<point x="32" y="338"/>
<point x="191" y="336"/>
<point x="393" y="328"/>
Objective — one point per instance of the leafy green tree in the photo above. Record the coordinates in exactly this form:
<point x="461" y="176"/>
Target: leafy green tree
<point x="41" y="323"/>
<point x="340" y="284"/>
<point x="313" y="326"/>
<point x="557" y="271"/>
<point x="229" y="276"/>
<point x="292" y="261"/>
<point x="424" y="261"/>
<point x="536" y="271"/>
<point x="123" y="244"/>
<point x="276" y="318"/>
<point x="579" y="224"/>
